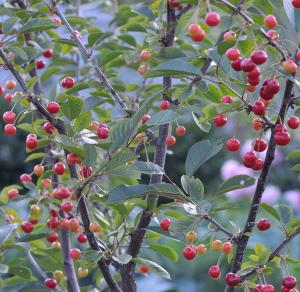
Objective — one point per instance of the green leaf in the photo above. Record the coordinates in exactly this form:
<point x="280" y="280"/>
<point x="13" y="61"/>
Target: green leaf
<point x="263" y="258"/>
<point x="71" y="106"/>
<point x="271" y="210"/>
<point x="146" y="167"/>
<point x="21" y="272"/>
<point x="124" y="258"/>
<point x="296" y="167"/>
<point x="193" y="187"/>
<point x="6" y="231"/>
<point x="259" y="248"/>
<point x="34" y="156"/>
<point x="199" y="153"/>
<point x="162" y="117"/>
<point x="3" y="269"/>
<point x="294" y="155"/>
<point x="31" y="82"/>
<point x="123" y="192"/>
<point x="83" y="121"/>
<point x="67" y="144"/>
<point x="32" y="236"/>
<point x="8" y="24"/>
<point x="285" y="212"/>
<point x="90" y="256"/>
<point x="165" y="251"/>
<point x="144" y="10"/>
<point x="97" y="37"/>
<point x="38" y="24"/>
<point x="77" y="87"/>
<point x="235" y="183"/>
<point x="154" y="267"/>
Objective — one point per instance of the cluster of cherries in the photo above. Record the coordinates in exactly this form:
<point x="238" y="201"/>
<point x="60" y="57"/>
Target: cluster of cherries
<point x="40" y="64"/>
<point x="145" y="57"/>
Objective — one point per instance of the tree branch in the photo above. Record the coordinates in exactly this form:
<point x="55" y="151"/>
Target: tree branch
<point x="219" y="226"/>
<point x="86" y="53"/>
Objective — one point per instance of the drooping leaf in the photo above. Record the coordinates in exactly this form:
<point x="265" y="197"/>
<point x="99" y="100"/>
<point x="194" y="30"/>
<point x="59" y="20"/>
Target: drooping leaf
<point x="6" y="231"/>
<point x="23" y="272"/>
<point x="271" y="210"/>
<point x="66" y="143"/>
<point x="165" y="251"/>
<point x="38" y="24"/>
<point x="193" y="187"/>
<point x="154" y="267"/>
<point x="162" y="117"/>
<point x="285" y="212"/>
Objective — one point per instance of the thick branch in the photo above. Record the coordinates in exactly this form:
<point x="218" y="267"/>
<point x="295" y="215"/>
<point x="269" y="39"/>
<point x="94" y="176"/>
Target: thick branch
<point x="86" y="53"/>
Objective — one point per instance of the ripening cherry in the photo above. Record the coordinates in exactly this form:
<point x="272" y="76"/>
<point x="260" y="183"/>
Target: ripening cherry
<point x="180" y="131"/>
<point x="39" y="170"/>
<point x="1" y="90"/>
<point x="62" y="193"/>
<point x="217" y="245"/>
<point x="56" y="20"/>
<point x="263" y="224"/>
<point x="214" y="272"/>
<point x="189" y="253"/>
<point x="249" y="159"/>
<point x="143" y="69"/>
<point x="8" y="97"/>
<point x="86" y="171"/>
<point x="250" y="88"/>
<point x="257" y="124"/>
<point x="52" y="237"/>
<point x="164" y="104"/>
<point x="236" y="64"/>
<point x="48" y="128"/>
<point x="10" y="130"/>
<point x="53" y="107"/>
<point x="66" y="206"/>
<point x="27" y="227"/>
<point x="82" y="238"/>
<point x="59" y="168"/>
<point x="233" y="54"/>
<point x="58" y="274"/>
<point x="75" y="253"/>
<point x="270" y="21"/>
<point x="144" y="269"/>
<point x="296" y="3"/>
<point x="282" y="138"/>
<point x="25" y="178"/>
<point x="293" y="122"/>
<point x="229" y="36"/>
<point x="64" y="223"/>
<point x="297" y="56"/>
<point x="259" y="57"/>
<point x="145" y="118"/>
<point x="233" y="145"/>
<point x="191" y="236"/>
<point x="289" y="282"/>
<point x="273" y="35"/>
<point x="259" y="108"/>
<point x="74" y="225"/>
<point x="46" y="183"/>
<point x="102" y="131"/>
<point x="9" y="117"/>
<point x="220" y="120"/>
<point x="40" y="64"/>
<point x="226" y="99"/>
<point x="48" y="53"/>
<point x="53" y="223"/>
<point x="259" y="145"/>
<point x="212" y="19"/>
<point x="165" y="224"/>
<point x="95" y="227"/>
<point x="72" y="159"/>
<point x="67" y="82"/>
<point x="227" y="247"/>
<point x="232" y="279"/>
<point x="201" y="249"/>
<point x="12" y="193"/>
<point x="258" y="165"/>
<point x="170" y="140"/>
<point x="50" y="283"/>
<point x="10" y="84"/>
<point x="145" y="56"/>
<point x="247" y="65"/>
<point x="74" y="34"/>
<point x="196" y="33"/>
<point x="289" y="66"/>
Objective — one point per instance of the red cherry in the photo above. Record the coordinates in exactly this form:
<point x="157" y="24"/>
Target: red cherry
<point x="254" y="74"/>
<point x="273" y="35"/>
<point x="293" y="122"/>
<point x="212" y="19"/>
<point x="196" y="33"/>
<point x="280" y="128"/>
<point x="289" y="282"/>
<point x="62" y="193"/>
<point x="296" y="3"/>
<point x="258" y="288"/>
<point x="40" y="64"/>
<point x="25" y="178"/>
<point x="247" y="65"/>
<point x="226" y="99"/>
<point x="66" y="206"/>
<point x="236" y="65"/>
<point x="233" y="54"/>
<point x="282" y="138"/>
<point x="270" y="21"/>
<point x="53" y="213"/>
<point x="189" y="252"/>
<point x="145" y="119"/>
<point x="165" y="224"/>
<point x="1" y="90"/>
<point x="68" y="82"/>
<point x="164" y="104"/>
<point x="31" y="144"/>
<point x="227" y="247"/>
<point x="72" y="159"/>
<point x="259" y="108"/>
<point x="233" y="145"/>
<point x="180" y="131"/>
<point x="48" y="128"/>
<point x="13" y="193"/>
<point x="9" y="117"/>
<point x="272" y="85"/>
<point x="174" y="4"/>
<point x="27" y="227"/>
<point x="232" y="279"/>
<point x="253" y="82"/>
<point x="259" y="57"/>
<point x="144" y="269"/>
<point x="290" y="66"/>
<point x="283" y="289"/>
<point x="8" y="97"/>
<point x="220" y="120"/>
<point x="10" y="130"/>
<point x="59" y="168"/>
<point x="86" y="171"/>
<point x="214" y="272"/>
<point x="263" y="224"/>
<point x="48" y="53"/>
<point x="50" y="283"/>
<point x="53" y="223"/>
<point x="56" y="20"/>
<point x="249" y="159"/>
<point x="10" y="84"/>
<point x="52" y="237"/>
<point x="75" y="253"/>
<point x="258" y="165"/>
<point x="102" y="131"/>
<point x="82" y="238"/>
<point x="260" y="145"/>
<point x="268" y="288"/>
<point x="53" y="107"/>
<point x="171" y="140"/>
<point x="297" y="53"/>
